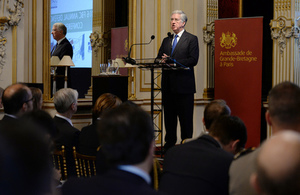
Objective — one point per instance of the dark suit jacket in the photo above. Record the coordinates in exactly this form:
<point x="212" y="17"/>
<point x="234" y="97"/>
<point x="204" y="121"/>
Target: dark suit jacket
<point x="67" y="136"/>
<point x="64" y="48"/>
<point x="6" y="121"/>
<point x="186" y="53"/>
<point x="113" y="182"/>
<point x="89" y="140"/>
<point x="196" y="167"/>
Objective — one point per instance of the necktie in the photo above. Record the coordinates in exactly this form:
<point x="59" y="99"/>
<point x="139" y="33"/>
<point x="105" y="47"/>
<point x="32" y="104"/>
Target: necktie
<point x="53" y="49"/>
<point x="174" y="43"/>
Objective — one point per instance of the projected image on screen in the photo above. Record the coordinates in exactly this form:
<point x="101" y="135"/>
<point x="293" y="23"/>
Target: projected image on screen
<point x="77" y="15"/>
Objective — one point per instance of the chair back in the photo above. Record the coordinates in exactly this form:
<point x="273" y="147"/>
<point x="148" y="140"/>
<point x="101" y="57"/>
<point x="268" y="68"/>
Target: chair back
<point x="156" y="173"/>
<point x="85" y="164"/>
<point x="60" y="162"/>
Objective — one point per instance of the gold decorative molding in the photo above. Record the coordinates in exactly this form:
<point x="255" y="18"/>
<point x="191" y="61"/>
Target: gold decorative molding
<point x="209" y="34"/>
<point x="281" y="30"/>
<point x="14" y="54"/>
<point x="99" y="39"/>
<point x="9" y="17"/>
<point x="34" y="41"/>
<point x="46" y="49"/>
<point x="132" y="31"/>
<point x="208" y="93"/>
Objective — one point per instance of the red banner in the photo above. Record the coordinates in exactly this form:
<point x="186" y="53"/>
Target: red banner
<point x="119" y="42"/>
<point x="238" y="70"/>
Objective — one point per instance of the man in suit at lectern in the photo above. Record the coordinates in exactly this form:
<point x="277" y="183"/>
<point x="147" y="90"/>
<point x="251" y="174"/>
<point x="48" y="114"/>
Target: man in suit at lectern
<point x="181" y="51"/>
<point x="62" y="48"/>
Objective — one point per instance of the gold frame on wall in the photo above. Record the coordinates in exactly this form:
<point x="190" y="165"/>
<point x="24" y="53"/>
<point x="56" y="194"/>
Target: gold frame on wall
<point x="46" y="49"/>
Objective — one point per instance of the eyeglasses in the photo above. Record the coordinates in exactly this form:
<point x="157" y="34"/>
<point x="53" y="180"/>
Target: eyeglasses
<point x="28" y="100"/>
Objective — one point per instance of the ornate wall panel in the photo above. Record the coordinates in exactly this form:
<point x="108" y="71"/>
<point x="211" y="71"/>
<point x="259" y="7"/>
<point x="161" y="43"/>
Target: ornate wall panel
<point x="285" y="35"/>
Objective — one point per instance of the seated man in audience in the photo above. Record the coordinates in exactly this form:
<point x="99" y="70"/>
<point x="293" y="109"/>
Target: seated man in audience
<point x="25" y="160"/>
<point x="88" y="139"/>
<point x="127" y="141"/>
<point x="213" y="110"/>
<point x="201" y="166"/>
<point x="16" y="100"/>
<point x="278" y="165"/>
<point x="65" y="102"/>
<point x="283" y="113"/>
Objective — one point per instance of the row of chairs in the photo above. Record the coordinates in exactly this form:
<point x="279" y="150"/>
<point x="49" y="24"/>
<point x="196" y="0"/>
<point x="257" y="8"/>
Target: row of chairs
<point x="85" y="165"/>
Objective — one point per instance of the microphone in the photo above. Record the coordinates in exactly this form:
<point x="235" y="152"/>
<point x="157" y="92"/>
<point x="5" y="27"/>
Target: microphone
<point x="170" y="35"/>
<point x="129" y="59"/>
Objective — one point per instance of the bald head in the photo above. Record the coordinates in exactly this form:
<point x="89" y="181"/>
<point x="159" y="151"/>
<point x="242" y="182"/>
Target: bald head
<point x="17" y="99"/>
<point x="278" y="165"/>
<point x="214" y="110"/>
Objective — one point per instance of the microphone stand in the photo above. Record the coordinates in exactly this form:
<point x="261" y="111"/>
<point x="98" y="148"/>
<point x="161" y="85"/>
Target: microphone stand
<point x="129" y="59"/>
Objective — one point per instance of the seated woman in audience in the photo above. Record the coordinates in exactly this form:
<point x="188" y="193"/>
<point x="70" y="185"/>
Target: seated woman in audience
<point x="37" y="98"/>
<point x="88" y="140"/>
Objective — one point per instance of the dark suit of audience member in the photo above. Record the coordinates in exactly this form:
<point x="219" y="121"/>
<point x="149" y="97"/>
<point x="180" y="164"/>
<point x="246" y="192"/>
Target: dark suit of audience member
<point x="283" y="114"/>
<point x="62" y="48"/>
<point x="17" y="100"/>
<point x="89" y="140"/>
<point x="201" y="166"/>
<point x="65" y="102"/>
<point x="126" y="135"/>
<point x="25" y="160"/>
<point x="178" y="86"/>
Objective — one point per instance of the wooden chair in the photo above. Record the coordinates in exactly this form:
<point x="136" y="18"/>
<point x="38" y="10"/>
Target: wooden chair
<point x="156" y="173"/>
<point x="85" y="165"/>
<point x="60" y="162"/>
<point x="187" y="140"/>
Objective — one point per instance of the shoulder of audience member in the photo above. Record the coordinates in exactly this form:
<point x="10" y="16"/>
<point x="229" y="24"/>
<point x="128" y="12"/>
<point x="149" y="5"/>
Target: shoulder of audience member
<point x="244" y="152"/>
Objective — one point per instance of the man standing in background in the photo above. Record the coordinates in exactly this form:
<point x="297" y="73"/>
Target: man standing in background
<point x="62" y="48"/>
<point x="180" y="50"/>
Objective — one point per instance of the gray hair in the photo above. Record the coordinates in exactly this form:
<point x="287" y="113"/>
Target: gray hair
<point x="61" y="26"/>
<point x="182" y="15"/>
<point x="64" y="98"/>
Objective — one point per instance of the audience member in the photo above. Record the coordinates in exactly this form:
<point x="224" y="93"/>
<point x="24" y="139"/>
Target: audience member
<point x="25" y="160"/>
<point x="88" y="139"/>
<point x="37" y="96"/>
<point x="278" y="165"/>
<point x="65" y="102"/>
<point x="45" y="123"/>
<point x="213" y="110"/>
<point x="17" y="100"/>
<point x="127" y="140"/>
<point x="201" y="166"/>
<point x="44" y="120"/>
<point x="283" y="113"/>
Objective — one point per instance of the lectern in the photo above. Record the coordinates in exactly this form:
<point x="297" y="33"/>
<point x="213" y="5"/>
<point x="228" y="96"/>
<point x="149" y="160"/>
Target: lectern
<point x="153" y="64"/>
<point x="66" y="61"/>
